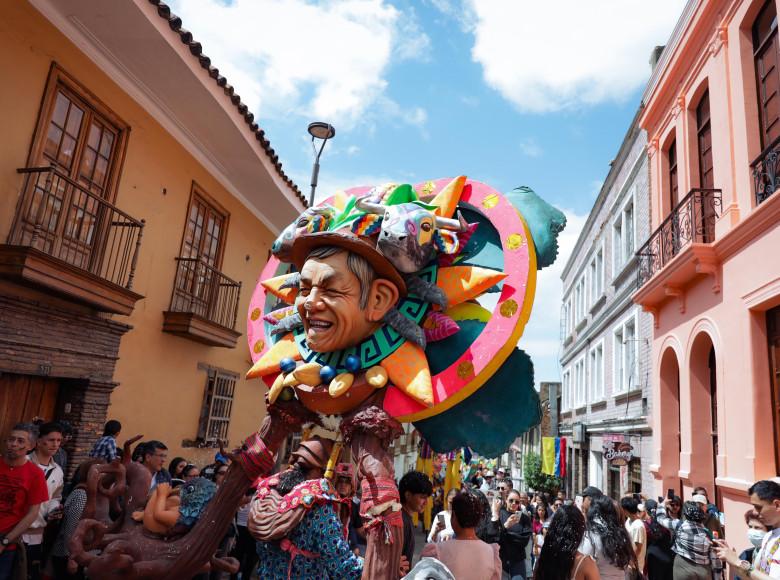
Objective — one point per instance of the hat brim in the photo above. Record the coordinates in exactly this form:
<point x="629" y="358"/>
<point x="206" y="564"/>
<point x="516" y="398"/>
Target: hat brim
<point x="305" y="243"/>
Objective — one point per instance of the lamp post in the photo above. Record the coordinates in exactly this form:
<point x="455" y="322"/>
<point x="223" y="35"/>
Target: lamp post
<point x="322" y="131"/>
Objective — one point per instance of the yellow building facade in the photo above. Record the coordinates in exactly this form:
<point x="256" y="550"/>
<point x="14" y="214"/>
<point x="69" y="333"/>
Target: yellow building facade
<point x="139" y="202"/>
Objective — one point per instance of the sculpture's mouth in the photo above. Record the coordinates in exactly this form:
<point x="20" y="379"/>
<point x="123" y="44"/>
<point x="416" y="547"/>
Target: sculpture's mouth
<point x="316" y="328"/>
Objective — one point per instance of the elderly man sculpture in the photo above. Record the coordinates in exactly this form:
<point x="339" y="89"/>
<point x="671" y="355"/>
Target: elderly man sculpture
<point x="346" y="288"/>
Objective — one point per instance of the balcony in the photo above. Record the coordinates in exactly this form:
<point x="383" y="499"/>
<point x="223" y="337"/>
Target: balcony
<point x="679" y="250"/>
<point x="67" y="240"/>
<point x="765" y="172"/>
<point x="204" y="304"/>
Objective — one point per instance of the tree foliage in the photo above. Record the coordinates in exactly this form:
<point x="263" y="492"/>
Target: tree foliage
<point x="535" y="479"/>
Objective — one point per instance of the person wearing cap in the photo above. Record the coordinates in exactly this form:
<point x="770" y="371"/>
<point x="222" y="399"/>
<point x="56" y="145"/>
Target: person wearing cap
<point x="299" y="533"/>
<point x="487" y="481"/>
<point x="692" y="543"/>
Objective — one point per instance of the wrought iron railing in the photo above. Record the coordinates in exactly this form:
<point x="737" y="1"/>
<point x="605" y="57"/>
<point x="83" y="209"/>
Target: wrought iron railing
<point x="64" y="219"/>
<point x="203" y="290"/>
<point x="765" y="172"/>
<point x="691" y="221"/>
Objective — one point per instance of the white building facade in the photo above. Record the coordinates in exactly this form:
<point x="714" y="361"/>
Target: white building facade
<point x="606" y="338"/>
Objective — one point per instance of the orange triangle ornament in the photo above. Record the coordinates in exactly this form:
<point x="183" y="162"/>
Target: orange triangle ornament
<point x="269" y="362"/>
<point x="407" y="369"/>
<point x="462" y="283"/>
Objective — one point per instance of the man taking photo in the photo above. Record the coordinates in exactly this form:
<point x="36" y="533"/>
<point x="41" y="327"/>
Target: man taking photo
<point x="22" y="491"/>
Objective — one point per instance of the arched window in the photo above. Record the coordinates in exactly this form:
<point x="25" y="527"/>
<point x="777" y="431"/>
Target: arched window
<point x="765" y="57"/>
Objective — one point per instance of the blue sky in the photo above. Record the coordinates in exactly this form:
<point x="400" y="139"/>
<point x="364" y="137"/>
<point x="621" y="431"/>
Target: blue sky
<point x="509" y="92"/>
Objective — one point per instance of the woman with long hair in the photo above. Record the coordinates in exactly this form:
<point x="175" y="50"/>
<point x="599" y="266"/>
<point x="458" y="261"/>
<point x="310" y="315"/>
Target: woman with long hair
<point x="466" y="555"/>
<point x="607" y="540"/>
<point x="539" y="525"/>
<point x="559" y="558"/>
<point x="176" y="467"/>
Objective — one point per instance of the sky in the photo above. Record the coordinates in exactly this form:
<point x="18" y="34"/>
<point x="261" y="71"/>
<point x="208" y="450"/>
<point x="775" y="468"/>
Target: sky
<point x="507" y="92"/>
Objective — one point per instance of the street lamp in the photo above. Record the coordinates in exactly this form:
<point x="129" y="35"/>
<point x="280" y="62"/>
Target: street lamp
<point x="323" y="131"/>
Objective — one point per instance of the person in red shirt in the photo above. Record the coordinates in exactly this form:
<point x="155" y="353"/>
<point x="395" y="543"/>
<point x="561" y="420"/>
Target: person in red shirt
<point x="22" y="491"/>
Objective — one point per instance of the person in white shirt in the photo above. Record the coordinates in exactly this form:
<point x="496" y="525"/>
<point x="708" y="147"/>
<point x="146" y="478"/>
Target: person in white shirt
<point x="442" y="529"/>
<point x="636" y="529"/>
<point x="49" y="441"/>
<point x="765" y="497"/>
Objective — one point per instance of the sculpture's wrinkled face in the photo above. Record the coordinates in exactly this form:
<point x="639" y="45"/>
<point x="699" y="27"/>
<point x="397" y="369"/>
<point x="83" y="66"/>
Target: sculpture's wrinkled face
<point x="329" y="304"/>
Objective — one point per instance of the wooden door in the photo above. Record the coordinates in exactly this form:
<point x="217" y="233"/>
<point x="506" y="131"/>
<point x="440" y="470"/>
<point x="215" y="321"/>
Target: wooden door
<point x="23" y="397"/>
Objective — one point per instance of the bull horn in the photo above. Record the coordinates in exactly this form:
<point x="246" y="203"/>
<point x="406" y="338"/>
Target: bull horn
<point x="363" y="204"/>
<point x="458" y="225"/>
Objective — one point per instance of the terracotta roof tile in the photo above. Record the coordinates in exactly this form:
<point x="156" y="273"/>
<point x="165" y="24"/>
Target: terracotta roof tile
<point x="197" y="50"/>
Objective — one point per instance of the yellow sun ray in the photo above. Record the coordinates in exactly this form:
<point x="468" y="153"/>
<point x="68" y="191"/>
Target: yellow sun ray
<point x="274" y="286"/>
<point x="269" y="362"/>
<point x="462" y="283"/>
<point x="447" y="199"/>
<point x="407" y="368"/>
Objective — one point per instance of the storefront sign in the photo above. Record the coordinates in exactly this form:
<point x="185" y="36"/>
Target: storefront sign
<point x="618" y="452"/>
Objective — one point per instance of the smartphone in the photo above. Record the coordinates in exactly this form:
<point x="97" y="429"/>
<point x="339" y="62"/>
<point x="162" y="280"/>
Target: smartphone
<point x="578" y="501"/>
<point x="440" y="519"/>
<point x="670" y="493"/>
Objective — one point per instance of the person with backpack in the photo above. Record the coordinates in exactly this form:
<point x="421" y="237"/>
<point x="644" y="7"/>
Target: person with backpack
<point x="513" y="526"/>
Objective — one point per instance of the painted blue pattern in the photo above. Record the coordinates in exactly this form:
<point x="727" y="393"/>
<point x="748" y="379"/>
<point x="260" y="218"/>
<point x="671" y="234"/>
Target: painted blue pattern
<point x="321" y="532"/>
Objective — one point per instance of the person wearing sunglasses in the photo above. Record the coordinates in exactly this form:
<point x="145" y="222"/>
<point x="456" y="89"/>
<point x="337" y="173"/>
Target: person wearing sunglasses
<point x="513" y="526"/>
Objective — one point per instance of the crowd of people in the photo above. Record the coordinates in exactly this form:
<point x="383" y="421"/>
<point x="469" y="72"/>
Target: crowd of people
<point x="593" y="536"/>
<point x="40" y="508"/>
<point x="485" y="529"/>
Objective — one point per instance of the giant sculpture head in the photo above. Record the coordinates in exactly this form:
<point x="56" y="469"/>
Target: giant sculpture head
<point x="346" y="288"/>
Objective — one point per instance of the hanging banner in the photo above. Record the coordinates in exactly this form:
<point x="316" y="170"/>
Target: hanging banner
<point x="618" y="452"/>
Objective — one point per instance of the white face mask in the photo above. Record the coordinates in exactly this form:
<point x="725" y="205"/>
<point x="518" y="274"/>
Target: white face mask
<point x="755" y="537"/>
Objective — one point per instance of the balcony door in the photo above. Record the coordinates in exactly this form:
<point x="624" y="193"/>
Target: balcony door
<point x="81" y="140"/>
<point x="765" y="57"/>
<point x="201" y="256"/>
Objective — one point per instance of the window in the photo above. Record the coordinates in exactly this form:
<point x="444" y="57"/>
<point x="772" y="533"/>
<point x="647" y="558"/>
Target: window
<point x="765" y="57"/>
<point x="580" y="388"/>
<point x="704" y="135"/>
<point x="579" y="300"/>
<point x="217" y="406"/>
<point x="84" y="141"/>
<point x="596" y="273"/>
<point x="566" y="391"/>
<point x="597" y="372"/>
<point x="673" y="191"/>
<point x="623" y="237"/>
<point x="624" y="355"/>
<point x="198" y="280"/>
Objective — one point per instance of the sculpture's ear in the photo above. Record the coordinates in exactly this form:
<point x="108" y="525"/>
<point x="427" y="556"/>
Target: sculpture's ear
<point x="382" y="297"/>
<point x="446" y="242"/>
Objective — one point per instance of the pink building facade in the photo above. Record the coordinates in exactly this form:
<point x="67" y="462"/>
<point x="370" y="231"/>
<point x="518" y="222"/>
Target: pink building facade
<point x="710" y="271"/>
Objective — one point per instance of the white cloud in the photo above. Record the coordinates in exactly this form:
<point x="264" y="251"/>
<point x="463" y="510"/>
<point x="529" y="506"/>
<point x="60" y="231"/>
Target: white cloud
<point x="294" y="57"/>
<point x="530" y="148"/>
<point x="541" y="338"/>
<point x="547" y="56"/>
